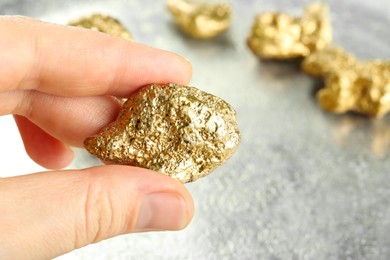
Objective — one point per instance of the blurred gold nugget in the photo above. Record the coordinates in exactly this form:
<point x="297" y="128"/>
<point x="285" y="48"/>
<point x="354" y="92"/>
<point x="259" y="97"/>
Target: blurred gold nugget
<point x="329" y="61"/>
<point x="177" y="130"/>
<point x="350" y="84"/>
<point x="279" y="36"/>
<point x="103" y="23"/>
<point x="201" y="20"/>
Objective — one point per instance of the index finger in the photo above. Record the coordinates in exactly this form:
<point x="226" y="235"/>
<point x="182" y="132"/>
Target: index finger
<point x="70" y="61"/>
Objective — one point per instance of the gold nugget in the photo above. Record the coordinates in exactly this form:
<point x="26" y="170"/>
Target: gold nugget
<point x="280" y="36"/>
<point x="103" y="23"/>
<point x="201" y="20"/>
<point x="350" y="84"/>
<point x="329" y="61"/>
<point x="176" y="130"/>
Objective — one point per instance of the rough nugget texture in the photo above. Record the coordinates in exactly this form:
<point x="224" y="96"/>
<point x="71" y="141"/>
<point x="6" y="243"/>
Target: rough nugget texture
<point x="280" y="36"/>
<point x="328" y="61"/>
<point x="350" y="84"/>
<point x="103" y="23"/>
<point x="201" y="20"/>
<point x="177" y="130"/>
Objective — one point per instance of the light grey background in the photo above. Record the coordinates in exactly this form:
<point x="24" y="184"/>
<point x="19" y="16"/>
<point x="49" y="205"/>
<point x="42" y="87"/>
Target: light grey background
<point x="304" y="184"/>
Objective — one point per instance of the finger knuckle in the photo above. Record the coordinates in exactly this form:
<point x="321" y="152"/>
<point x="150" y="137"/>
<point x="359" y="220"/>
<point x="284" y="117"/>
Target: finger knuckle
<point x="100" y="214"/>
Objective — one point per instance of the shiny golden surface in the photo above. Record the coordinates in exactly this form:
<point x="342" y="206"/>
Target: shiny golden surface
<point x="176" y="130"/>
<point x="350" y="84"/>
<point x="201" y="20"/>
<point x="329" y="61"/>
<point x="280" y="36"/>
<point x="103" y="23"/>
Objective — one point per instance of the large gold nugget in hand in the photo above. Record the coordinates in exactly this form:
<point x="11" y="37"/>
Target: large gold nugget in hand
<point x="176" y="130"/>
<point x="280" y="36"/>
<point x="201" y="20"/>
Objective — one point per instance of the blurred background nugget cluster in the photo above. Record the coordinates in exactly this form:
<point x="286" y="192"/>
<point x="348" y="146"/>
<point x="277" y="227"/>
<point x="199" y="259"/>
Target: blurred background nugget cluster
<point x="350" y="85"/>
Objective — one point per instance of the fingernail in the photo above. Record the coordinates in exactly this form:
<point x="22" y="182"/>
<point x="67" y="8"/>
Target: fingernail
<point x="187" y="60"/>
<point x="162" y="211"/>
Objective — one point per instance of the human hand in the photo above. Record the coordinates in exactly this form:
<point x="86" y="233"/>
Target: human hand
<point x="59" y="82"/>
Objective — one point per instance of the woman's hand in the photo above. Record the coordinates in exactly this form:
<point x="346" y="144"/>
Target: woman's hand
<point x="58" y="81"/>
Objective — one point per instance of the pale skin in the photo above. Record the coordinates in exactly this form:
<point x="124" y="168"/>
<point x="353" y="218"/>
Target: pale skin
<point x="59" y="84"/>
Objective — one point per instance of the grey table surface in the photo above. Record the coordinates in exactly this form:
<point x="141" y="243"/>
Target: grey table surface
<point x="304" y="184"/>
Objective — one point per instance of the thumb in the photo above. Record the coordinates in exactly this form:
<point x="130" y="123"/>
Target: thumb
<point x="47" y="214"/>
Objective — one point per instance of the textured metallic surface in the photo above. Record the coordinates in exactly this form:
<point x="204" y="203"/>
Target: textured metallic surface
<point x="329" y="61"/>
<point x="350" y="84"/>
<point x="303" y="184"/>
<point x="180" y="131"/>
<point x="201" y="20"/>
<point x="102" y="23"/>
<point x="277" y="35"/>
